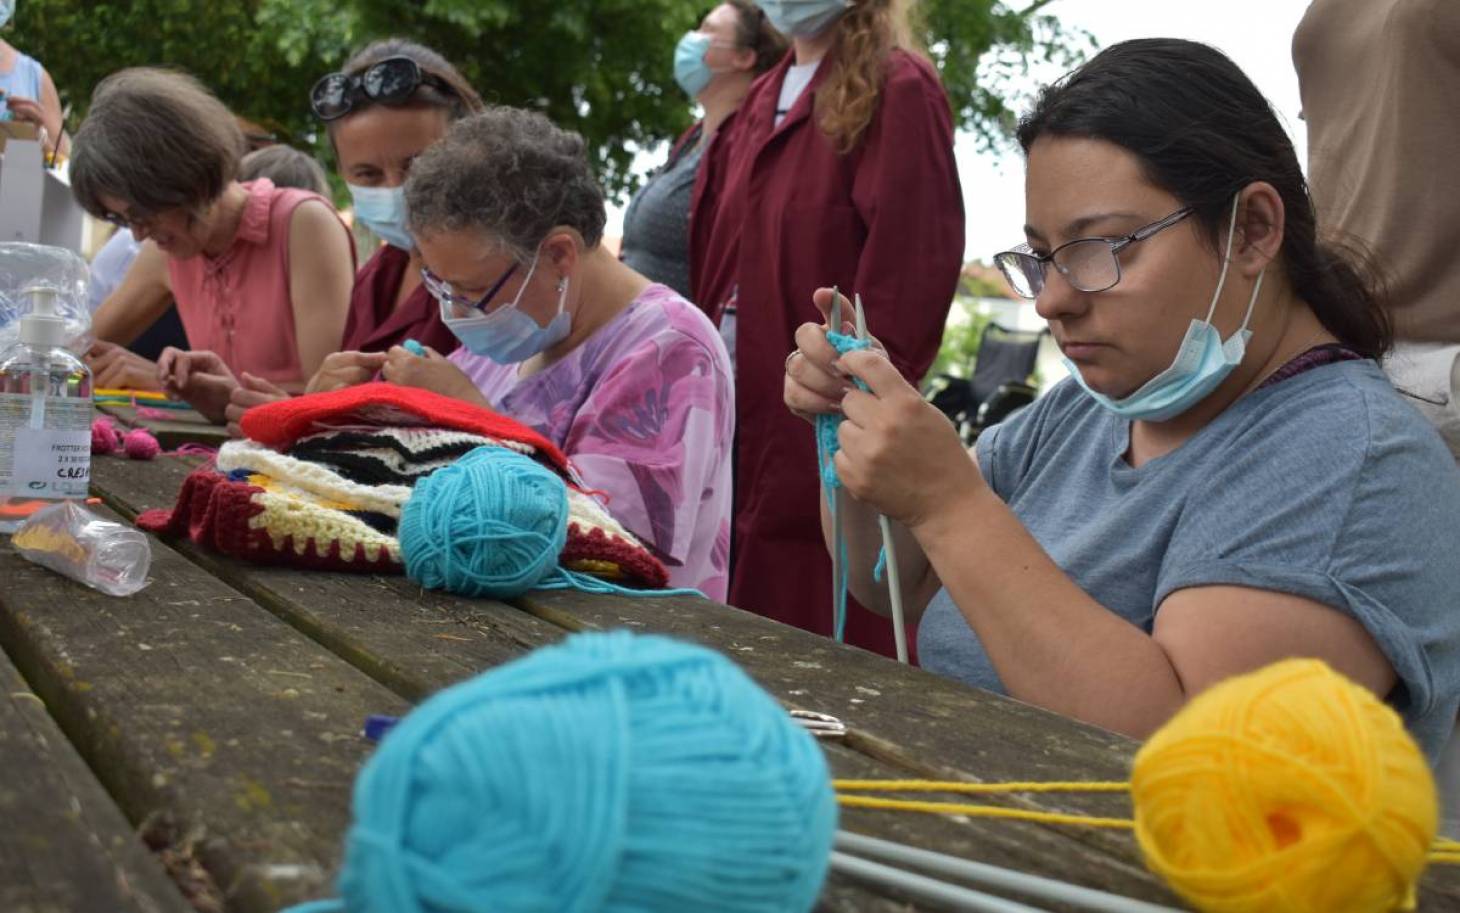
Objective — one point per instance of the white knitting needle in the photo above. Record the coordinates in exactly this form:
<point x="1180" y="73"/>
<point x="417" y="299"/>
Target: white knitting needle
<point x="838" y="500"/>
<point x="991" y="876"/>
<point x="923" y="888"/>
<point x="894" y="585"/>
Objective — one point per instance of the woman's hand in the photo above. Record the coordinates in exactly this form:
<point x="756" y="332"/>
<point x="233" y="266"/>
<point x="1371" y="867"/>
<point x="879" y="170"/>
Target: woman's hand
<point x="30" y="111"/>
<point x="899" y="453"/>
<point x="115" y="367"/>
<point x="200" y="379"/>
<point x="345" y="369"/>
<point x="251" y="391"/>
<point x="815" y="382"/>
<point x="432" y="371"/>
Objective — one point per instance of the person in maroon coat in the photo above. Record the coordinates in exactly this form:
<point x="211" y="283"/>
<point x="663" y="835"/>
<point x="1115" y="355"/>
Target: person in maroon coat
<point x="837" y="170"/>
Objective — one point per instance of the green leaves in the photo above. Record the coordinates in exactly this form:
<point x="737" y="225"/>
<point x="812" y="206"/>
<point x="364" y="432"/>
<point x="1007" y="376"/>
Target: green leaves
<point x="601" y="67"/>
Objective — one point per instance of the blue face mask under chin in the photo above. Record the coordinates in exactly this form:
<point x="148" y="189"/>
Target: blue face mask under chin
<point x="507" y="335"/>
<point x="1202" y="362"/>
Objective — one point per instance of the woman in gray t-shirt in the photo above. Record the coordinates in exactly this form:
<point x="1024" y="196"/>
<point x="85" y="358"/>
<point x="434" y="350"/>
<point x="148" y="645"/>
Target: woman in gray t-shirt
<point x="1225" y="481"/>
<point x="715" y="66"/>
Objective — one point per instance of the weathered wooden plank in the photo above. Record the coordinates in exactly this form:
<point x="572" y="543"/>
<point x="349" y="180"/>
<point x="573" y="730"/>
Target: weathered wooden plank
<point x="182" y="426"/>
<point x="916" y="721"/>
<point x="206" y="718"/>
<point x="65" y="847"/>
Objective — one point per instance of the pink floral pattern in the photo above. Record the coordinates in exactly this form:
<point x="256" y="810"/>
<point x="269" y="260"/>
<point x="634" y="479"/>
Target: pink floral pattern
<point x="645" y="411"/>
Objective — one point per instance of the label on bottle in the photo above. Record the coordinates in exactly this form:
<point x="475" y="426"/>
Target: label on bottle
<point x="52" y="462"/>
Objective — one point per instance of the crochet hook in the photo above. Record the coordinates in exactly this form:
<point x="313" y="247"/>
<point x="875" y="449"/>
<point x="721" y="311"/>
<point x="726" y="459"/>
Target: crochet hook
<point x="889" y="548"/>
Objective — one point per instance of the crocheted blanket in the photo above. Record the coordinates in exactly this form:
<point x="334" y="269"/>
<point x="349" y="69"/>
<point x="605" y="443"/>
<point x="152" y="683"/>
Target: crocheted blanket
<point x="333" y="498"/>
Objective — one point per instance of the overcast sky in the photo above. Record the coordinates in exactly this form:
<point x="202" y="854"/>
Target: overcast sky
<point x="1257" y="34"/>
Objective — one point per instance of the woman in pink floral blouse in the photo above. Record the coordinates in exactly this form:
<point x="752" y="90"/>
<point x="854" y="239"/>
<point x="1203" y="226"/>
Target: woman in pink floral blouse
<point x="628" y="378"/>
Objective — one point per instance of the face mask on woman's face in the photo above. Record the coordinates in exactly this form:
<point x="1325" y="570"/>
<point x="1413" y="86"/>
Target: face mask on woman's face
<point x="508" y="335"/>
<point x="803" y="18"/>
<point x="383" y="210"/>
<point x="7" y="9"/>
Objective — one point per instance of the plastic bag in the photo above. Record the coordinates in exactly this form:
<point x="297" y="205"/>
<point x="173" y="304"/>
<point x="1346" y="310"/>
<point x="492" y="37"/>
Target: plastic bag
<point x="76" y="543"/>
<point x="24" y="266"/>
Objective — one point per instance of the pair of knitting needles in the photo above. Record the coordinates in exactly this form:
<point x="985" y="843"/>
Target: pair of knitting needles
<point x="838" y="495"/>
<point x="886" y="864"/>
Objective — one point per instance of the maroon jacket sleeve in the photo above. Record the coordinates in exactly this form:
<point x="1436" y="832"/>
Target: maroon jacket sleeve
<point x="908" y="195"/>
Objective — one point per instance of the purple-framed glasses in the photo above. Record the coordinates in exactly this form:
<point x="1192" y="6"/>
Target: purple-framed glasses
<point x="440" y="289"/>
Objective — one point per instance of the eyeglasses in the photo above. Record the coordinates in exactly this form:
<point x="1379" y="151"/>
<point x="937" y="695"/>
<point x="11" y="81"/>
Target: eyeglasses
<point x="1088" y="264"/>
<point x="391" y="81"/>
<point x="143" y="220"/>
<point x="441" y="290"/>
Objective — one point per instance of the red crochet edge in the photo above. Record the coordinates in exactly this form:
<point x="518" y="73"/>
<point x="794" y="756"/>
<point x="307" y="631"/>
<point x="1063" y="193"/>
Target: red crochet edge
<point x="213" y="512"/>
<point x="280" y="424"/>
<point x="597" y="545"/>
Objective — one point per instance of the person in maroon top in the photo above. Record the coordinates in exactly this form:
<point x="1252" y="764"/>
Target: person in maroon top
<point x="837" y="170"/>
<point x="391" y="101"/>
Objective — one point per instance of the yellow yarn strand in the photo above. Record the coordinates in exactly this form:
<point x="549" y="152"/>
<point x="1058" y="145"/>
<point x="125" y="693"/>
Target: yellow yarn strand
<point x="1444" y="851"/>
<point x="959" y="786"/>
<point x="981" y="811"/>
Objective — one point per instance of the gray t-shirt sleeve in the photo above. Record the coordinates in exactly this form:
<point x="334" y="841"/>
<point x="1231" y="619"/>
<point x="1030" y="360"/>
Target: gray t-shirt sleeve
<point x="1329" y="512"/>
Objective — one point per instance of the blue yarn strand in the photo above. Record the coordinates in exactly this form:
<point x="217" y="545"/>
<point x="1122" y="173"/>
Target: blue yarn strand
<point x="827" y="446"/>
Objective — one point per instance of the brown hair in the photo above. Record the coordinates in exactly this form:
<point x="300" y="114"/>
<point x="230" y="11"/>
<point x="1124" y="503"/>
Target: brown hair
<point x="286" y="167"/>
<point x="847" y="100"/>
<point x="461" y="101"/>
<point x="157" y="139"/>
<point x="754" y="32"/>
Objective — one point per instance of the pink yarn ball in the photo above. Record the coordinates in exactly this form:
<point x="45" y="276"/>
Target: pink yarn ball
<point x="141" y="445"/>
<point x="105" y="438"/>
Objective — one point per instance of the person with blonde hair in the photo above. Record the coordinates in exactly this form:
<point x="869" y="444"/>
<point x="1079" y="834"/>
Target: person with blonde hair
<point x="836" y="170"/>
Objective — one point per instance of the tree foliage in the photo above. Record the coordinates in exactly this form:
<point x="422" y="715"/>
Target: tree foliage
<point x="602" y="67"/>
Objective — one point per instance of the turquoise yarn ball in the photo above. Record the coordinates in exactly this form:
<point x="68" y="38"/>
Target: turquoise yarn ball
<point x="491" y="524"/>
<point x="612" y="772"/>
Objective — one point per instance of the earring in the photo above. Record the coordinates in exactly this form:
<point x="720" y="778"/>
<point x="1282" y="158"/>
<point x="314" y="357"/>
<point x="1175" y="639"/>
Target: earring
<point x="562" y="284"/>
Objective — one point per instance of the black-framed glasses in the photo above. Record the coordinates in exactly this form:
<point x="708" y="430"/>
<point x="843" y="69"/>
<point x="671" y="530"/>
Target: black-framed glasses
<point x="1088" y="264"/>
<point x="391" y="81"/>
<point x="131" y="221"/>
<point x="441" y="290"/>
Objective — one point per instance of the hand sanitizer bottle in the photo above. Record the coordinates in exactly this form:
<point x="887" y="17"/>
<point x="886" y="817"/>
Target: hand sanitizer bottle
<point x="45" y="416"/>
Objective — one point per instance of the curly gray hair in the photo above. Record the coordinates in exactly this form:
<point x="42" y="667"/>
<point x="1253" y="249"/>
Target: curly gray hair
<point x="509" y="173"/>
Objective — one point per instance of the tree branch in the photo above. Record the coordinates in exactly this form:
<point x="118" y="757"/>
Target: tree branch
<point x="1033" y="8"/>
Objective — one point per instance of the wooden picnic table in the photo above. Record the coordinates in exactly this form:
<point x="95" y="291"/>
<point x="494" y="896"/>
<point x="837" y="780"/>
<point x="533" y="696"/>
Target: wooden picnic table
<point x="208" y="728"/>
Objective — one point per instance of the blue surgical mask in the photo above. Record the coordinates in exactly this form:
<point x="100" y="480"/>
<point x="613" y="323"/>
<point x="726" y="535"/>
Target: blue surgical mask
<point x="507" y="335"/>
<point x="383" y="210"/>
<point x="690" y="69"/>
<point x="803" y="18"/>
<point x="1201" y="364"/>
<point x="7" y="9"/>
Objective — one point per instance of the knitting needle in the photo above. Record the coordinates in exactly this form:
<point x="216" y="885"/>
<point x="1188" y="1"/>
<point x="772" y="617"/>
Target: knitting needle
<point x="838" y="501"/>
<point x="991" y="876"/>
<point x="923" y="888"/>
<point x="889" y="549"/>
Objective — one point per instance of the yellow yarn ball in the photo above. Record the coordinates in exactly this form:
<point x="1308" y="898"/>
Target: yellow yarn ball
<point x="1286" y="790"/>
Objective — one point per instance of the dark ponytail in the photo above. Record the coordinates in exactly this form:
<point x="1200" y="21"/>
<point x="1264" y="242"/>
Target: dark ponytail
<point x="1203" y="131"/>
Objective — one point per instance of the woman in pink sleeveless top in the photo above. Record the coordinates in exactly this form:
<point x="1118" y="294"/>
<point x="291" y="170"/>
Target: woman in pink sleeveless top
<point x="261" y="274"/>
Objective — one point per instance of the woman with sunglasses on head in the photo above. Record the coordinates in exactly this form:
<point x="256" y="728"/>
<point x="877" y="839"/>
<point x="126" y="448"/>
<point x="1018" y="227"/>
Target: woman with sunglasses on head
<point x="715" y="66"/>
<point x="391" y="101"/>
<point x="624" y="375"/>
<point x="1226" y="480"/>
<point x="837" y="170"/>
<point x="261" y="274"/>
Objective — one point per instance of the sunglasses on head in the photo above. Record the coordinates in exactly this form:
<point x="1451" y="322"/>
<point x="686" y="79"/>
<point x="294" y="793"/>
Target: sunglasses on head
<point x="391" y="81"/>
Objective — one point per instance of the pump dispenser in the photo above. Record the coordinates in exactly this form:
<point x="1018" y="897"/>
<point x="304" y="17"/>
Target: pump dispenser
<point x="45" y="415"/>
